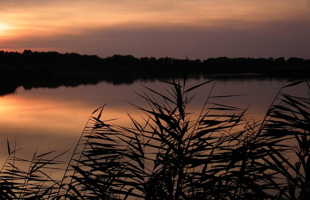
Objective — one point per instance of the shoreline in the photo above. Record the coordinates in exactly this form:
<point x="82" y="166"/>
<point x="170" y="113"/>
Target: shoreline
<point x="52" y="69"/>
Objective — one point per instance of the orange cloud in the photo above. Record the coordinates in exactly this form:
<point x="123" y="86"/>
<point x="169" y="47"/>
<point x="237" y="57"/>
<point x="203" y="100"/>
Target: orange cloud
<point x="149" y="28"/>
<point x="73" y="17"/>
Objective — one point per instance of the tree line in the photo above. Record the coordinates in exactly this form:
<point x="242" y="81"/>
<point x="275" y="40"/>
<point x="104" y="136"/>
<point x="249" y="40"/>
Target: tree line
<point x="32" y="69"/>
<point x="33" y="60"/>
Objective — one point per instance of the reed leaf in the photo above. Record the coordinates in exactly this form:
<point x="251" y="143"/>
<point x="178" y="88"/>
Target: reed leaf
<point x="221" y="155"/>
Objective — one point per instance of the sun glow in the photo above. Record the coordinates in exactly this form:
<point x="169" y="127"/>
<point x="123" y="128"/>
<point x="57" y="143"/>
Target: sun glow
<point x="4" y="27"/>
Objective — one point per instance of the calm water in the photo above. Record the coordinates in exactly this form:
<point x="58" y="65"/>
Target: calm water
<point x="50" y="119"/>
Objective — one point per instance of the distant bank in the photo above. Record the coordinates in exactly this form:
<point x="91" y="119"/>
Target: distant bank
<point x="32" y="69"/>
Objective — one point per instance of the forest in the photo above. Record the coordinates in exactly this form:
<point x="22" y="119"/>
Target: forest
<point x="54" y="61"/>
<point x="32" y="69"/>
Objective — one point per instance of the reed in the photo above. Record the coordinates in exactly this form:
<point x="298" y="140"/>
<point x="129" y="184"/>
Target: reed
<point x="171" y="155"/>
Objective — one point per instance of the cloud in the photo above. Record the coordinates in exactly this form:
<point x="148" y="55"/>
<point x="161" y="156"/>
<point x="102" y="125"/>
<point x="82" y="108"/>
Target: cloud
<point x="271" y="39"/>
<point x="160" y="28"/>
<point x="68" y="16"/>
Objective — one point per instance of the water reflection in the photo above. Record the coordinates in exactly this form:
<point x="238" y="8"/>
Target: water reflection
<point x="51" y="119"/>
<point x="9" y="85"/>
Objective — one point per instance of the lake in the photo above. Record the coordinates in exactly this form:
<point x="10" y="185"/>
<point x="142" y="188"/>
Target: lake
<point x="49" y="119"/>
<point x="43" y="119"/>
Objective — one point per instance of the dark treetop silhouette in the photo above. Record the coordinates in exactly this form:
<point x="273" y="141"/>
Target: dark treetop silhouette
<point x="52" y="69"/>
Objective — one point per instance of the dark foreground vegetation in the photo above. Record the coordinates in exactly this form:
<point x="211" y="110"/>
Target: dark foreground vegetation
<point x="221" y="154"/>
<point x="52" y="69"/>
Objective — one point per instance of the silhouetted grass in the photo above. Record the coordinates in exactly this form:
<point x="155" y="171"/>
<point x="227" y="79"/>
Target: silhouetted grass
<point x="171" y="155"/>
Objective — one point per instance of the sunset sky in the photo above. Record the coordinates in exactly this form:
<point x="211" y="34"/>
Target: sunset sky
<point x="198" y="29"/>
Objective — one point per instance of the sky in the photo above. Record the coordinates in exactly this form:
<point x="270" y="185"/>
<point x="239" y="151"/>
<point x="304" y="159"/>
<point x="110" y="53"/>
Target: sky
<point x="197" y="29"/>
